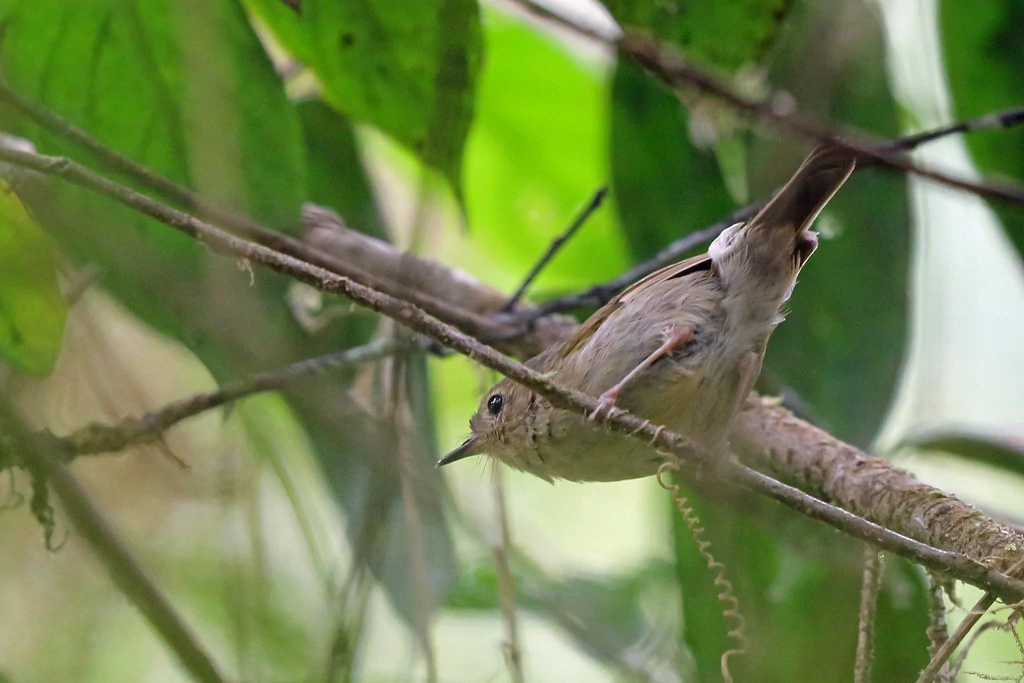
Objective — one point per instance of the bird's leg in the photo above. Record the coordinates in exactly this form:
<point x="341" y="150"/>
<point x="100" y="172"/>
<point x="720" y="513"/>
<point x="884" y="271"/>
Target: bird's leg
<point x="606" y="401"/>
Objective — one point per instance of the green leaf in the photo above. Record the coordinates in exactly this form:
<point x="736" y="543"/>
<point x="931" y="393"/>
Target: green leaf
<point x="984" y="59"/>
<point x="664" y="187"/>
<point x="1004" y="452"/>
<point x="32" y="308"/>
<point x="190" y="95"/>
<point x="409" y="69"/>
<point x="723" y="34"/>
<point x="798" y="586"/>
<point x="336" y="175"/>
<point x="537" y="153"/>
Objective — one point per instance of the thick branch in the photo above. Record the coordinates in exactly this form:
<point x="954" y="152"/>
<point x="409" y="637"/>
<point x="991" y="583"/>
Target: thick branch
<point x="771" y="439"/>
<point x="962" y="567"/>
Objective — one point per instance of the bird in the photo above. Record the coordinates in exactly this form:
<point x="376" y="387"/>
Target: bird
<point x="681" y="347"/>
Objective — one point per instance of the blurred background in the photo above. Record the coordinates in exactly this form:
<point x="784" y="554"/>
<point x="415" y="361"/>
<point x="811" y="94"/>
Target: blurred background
<point x="310" y="537"/>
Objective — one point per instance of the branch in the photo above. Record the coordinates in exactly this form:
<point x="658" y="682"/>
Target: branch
<point x="871" y="584"/>
<point x="979" y="610"/>
<point x="102" y="438"/>
<point x="43" y="456"/>
<point x="1000" y="119"/>
<point x="668" y="64"/>
<point x="556" y="244"/>
<point x="600" y="294"/>
<point x="244" y="226"/>
<point x="1002" y="543"/>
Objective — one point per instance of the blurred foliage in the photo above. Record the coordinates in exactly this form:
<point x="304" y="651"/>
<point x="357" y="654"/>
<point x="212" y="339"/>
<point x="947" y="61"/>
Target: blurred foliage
<point x="984" y="57"/>
<point x="536" y="154"/>
<point x="523" y="137"/>
<point x="841" y="346"/>
<point x="32" y="308"/>
<point x="781" y="564"/>
<point x="1005" y="453"/>
<point x="662" y="196"/>
<point x="336" y="174"/>
<point x="139" y="94"/>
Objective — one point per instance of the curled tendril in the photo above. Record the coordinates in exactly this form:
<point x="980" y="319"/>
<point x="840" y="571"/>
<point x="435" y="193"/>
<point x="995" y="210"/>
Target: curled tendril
<point x="725" y="595"/>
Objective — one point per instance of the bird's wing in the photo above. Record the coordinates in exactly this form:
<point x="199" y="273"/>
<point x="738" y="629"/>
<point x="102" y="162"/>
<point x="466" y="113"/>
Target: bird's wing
<point x="670" y="272"/>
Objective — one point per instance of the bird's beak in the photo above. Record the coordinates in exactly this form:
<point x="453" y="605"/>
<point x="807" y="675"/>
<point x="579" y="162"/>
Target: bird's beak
<point x="469" y="447"/>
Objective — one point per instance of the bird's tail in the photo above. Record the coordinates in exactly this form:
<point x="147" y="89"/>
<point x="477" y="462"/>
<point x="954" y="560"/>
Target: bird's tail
<point x="800" y="200"/>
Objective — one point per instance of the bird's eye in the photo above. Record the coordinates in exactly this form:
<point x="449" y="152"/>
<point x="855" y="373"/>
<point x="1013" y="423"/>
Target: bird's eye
<point x="494" y="404"/>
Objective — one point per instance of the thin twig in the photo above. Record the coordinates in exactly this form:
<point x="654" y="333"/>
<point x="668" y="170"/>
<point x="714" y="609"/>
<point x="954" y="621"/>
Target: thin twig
<point x="100" y="438"/>
<point x="506" y="584"/>
<point x="41" y="455"/>
<point x="938" y="629"/>
<point x="668" y="64"/>
<point x="600" y="294"/>
<point x="1001" y="119"/>
<point x="405" y="313"/>
<point x="871" y="584"/>
<point x="954" y="668"/>
<point x="422" y="589"/>
<point x="556" y="244"/>
<point x="973" y="617"/>
<point x="938" y="660"/>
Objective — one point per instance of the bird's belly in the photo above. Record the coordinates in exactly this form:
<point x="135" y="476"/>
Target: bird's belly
<point x="695" y="404"/>
<point x="603" y="456"/>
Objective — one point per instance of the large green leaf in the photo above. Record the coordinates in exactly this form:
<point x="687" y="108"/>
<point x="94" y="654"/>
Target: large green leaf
<point x="536" y="154"/>
<point x="189" y="94"/>
<point x="984" y="59"/>
<point x="32" y="308"/>
<point x="336" y="175"/>
<point x="407" y="68"/>
<point x="724" y="34"/>
<point x="798" y="585"/>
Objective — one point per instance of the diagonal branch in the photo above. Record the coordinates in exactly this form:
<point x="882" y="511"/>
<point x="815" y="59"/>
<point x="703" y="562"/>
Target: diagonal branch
<point x="102" y="438"/>
<point x="238" y="224"/>
<point x="668" y="64"/>
<point x="996" y="544"/>
<point x="556" y="244"/>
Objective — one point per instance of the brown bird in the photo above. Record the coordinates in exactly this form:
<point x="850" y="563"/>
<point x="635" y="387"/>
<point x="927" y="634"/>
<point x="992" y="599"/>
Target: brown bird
<point x="681" y="347"/>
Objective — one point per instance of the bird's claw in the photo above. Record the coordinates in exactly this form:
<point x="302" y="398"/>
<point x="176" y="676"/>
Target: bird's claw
<point x="605" y="406"/>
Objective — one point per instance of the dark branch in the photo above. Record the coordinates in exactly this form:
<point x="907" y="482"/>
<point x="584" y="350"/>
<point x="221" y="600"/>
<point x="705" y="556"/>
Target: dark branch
<point x="1003" y="119"/>
<point x="669" y="65"/>
<point x="553" y="248"/>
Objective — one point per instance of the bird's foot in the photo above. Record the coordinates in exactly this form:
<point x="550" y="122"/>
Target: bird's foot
<point x="605" y="405"/>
